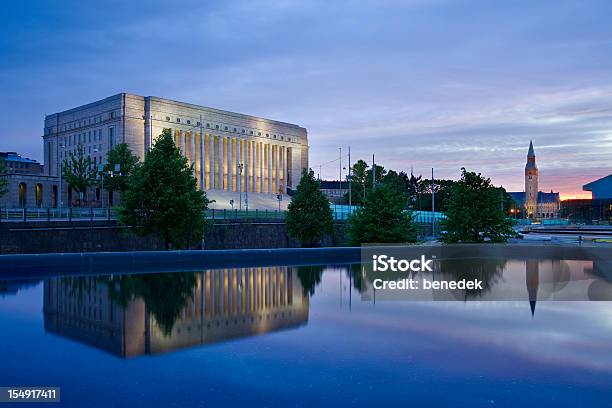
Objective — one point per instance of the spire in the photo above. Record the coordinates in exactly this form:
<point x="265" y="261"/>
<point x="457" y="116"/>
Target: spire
<point x="531" y="153"/>
<point x="532" y="306"/>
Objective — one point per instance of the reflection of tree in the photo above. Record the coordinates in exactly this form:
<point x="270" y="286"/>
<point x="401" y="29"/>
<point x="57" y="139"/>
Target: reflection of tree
<point x="11" y="287"/>
<point x="165" y="295"/>
<point x="310" y="277"/>
<point x="355" y="272"/>
<point x="487" y="270"/>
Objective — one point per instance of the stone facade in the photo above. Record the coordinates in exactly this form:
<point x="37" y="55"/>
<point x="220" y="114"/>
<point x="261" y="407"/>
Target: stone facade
<point x="29" y="190"/>
<point x="229" y="151"/>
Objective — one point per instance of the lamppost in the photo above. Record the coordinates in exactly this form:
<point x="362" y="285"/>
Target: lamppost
<point x="279" y="197"/>
<point x="239" y="168"/>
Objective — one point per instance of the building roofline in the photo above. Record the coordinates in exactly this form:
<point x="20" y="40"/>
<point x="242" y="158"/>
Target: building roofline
<point x="185" y="104"/>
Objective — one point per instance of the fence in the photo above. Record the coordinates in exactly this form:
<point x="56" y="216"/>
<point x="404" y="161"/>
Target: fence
<point x="340" y="213"/>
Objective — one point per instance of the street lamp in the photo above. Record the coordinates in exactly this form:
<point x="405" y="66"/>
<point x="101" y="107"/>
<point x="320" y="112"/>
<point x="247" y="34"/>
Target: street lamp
<point x="239" y="168"/>
<point x="279" y="197"/>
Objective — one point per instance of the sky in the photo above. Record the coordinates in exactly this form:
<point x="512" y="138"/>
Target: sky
<point x="418" y="83"/>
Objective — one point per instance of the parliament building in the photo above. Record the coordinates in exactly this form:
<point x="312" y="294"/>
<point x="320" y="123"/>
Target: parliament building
<point x="229" y="152"/>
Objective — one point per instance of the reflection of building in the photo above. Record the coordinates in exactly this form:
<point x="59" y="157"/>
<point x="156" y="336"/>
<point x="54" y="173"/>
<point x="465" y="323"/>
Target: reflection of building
<point x="273" y="153"/>
<point x="27" y="186"/>
<point x="225" y="304"/>
<point x="536" y="204"/>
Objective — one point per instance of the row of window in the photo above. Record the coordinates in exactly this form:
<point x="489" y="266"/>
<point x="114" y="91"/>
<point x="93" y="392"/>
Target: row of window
<point x="85" y="137"/>
<point x="235" y="130"/>
<point x="80" y="123"/>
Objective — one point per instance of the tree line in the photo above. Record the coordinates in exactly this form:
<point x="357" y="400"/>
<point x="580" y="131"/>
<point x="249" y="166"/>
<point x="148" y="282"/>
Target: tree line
<point x="475" y="210"/>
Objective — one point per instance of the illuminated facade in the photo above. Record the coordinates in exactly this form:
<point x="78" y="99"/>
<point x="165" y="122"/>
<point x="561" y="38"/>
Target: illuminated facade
<point x="536" y="204"/>
<point x="229" y="152"/>
<point x="223" y="304"/>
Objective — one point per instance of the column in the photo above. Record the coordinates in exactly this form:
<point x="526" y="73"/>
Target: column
<point x="202" y="163"/>
<point x="183" y="136"/>
<point x="284" y="161"/>
<point x="211" y="155"/>
<point x="269" y="153"/>
<point x="245" y="186"/>
<point x="261" y="168"/>
<point x="253" y="167"/>
<point x="230" y="166"/>
<point x="192" y="159"/>
<point x="220" y="163"/>
<point x="276" y="168"/>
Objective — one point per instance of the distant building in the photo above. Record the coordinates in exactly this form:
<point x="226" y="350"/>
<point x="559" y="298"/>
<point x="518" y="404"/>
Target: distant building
<point x="587" y="211"/>
<point x="600" y="188"/>
<point x="27" y="184"/>
<point x="536" y="204"/>
<point x="22" y="165"/>
<point x="334" y="190"/>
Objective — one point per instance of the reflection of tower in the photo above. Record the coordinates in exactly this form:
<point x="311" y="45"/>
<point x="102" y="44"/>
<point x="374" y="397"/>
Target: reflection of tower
<point x="531" y="183"/>
<point x="532" y="280"/>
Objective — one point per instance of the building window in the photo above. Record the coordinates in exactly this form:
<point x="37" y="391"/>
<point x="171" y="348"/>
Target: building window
<point x="111" y="137"/>
<point x="267" y="135"/>
<point x="258" y="133"/>
<point x="188" y="122"/>
<point x="208" y="125"/>
<point x="112" y="115"/>
<point x="168" y="118"/>
<point x="235" y="129"/>
<point x="178" y="120"/>
<point x="217" y="127"/>
<point x="226" y="128"/>
<point x="251" y="132"/>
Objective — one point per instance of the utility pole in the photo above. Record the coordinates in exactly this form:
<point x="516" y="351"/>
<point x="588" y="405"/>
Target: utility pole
<point x="340" y="170"/>
<point x="433" y="204"/>
<point x="373" y="172"/>
<point x="350" y="181"/>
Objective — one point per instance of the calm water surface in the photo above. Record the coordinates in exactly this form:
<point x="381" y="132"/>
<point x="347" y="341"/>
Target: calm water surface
<point x="288" y="336"/>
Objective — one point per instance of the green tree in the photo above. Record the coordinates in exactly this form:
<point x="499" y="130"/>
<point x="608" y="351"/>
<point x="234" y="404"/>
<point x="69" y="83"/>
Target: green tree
<point x="358" y="183"/>
<point x="120" y="155"/>
<point x="3" y="181"/>
<point x="382" y="219"/>
<point x="309" y="215"/>
<point x="414" y="189"/>
<point x="397" y="181"/>
<point x="443" y="190"/>
<point x="474" y="213"/>
<point x="162" y="197"/>
<point x="79" y="172"/>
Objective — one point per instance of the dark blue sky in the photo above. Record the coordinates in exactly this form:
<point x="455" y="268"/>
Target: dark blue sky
<point x="420" y="83"/>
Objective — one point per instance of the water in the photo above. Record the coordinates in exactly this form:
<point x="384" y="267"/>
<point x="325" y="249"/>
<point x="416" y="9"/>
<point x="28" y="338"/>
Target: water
<point x="289" y="336"/>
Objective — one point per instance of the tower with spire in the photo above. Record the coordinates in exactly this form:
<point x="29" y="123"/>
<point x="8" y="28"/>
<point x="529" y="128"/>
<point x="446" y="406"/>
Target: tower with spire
<point x="531" y="183"/>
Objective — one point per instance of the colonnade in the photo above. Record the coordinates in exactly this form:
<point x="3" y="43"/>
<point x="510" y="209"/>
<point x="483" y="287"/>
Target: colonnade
<point x="234" y="163"/>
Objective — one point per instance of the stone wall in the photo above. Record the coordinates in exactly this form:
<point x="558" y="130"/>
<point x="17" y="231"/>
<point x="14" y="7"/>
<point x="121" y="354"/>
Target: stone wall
<point x="107" y="236"/>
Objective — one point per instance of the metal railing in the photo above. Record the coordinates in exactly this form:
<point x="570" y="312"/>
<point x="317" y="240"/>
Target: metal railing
<point x="57" y="214"/>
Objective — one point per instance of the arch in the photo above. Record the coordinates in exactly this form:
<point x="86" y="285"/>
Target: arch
<point x="38" y="194"/>
<point x="23" y="194"/>
<point x="55" y="196"/>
